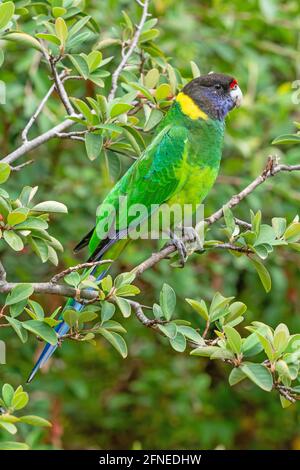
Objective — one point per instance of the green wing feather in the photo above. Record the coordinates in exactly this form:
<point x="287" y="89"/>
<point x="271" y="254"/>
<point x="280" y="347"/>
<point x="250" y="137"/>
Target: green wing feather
<point x="152" y="179"/>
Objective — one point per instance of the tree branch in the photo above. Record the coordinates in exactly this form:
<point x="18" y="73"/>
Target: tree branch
<point x="37" y="141"/>
<point x="90" y="264"/>
<point x="123" y="63"/>
<point x="39" y="109"/>
<point x="53" y="289"/>
<point x="60" y="87"/>
<point x="272" y="168"/>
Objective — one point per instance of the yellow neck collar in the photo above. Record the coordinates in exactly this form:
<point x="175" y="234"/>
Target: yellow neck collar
<point x="189" y="107"/>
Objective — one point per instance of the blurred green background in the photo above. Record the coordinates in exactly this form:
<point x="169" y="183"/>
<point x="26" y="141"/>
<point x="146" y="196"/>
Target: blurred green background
<point x="157" y="398"/>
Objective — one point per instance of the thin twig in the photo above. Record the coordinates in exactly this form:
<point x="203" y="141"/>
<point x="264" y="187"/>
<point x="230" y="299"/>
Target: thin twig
<point x="37" y="141"/>
<point x="272" y="168"/>
<point x="52" y="289"/>
<point x="71" y="269"/>
<point x="60" y="88"/>
<point x="243" y="223"/>
<point x="134" y="42"/>
<point x="232" y="247"/>
<point x="19" y="167"/>
<point x="39" y="109"/>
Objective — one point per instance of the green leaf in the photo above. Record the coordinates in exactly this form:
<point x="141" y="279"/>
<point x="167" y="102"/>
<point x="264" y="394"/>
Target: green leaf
<point x="234" y="339"/>
<point x="50" y="206"/>
<point x="19" y="400"/>
<point x="80" y="65"/>
<point x="40" y="248"/>
<point x="199" y="307"/>
<point x="84" y="109"/>
<point x="8" y="445"/>
<point x="42" y="330"/>
<point x="205" y="351"/>
<point x="169" y="329"/>
<point x="235" y="376"/>
<point x="78" y="25"/>
<point x="281" y="337"/>
<point x="154" y="118"/>
<point x="107" y="311"/>
<point x="86" y="316"/>
<point x="191" y="334"/>
<point x="116" y="340"/>
<point x="70" y="317"/>
<point x="6" y="13"/>
<point x="17" y="216"/>
<point x="172" y="78"/>
<point x="16" y="309"/>
<point x="236" y="309"/>
<point x="7" y="394"/>
<point x="9" y="427"/>
<point x="151" y="78"/>
<point x="258" y="374"/>
<point x="18" y="293"/>
<point x="73" y="279"/>
<point x="94" y="60"/>
<point x="107" y="283"/>
<point x="35" y="420"/>
<point x="124" y="306"/>
<point x="32" y="223"/>
<point x="24" y="39"/>
<point x="119" y="108"/>
<point x="263" y="274"/>
<point x="13" y="240"/>
<point x="58" y="11"/>
<point x="48" y="37"/>
<point x="17" y="326"/>
<point x="145" y="92"/>
<point x="163" y="91"/>
<point x="167" y="301"/>
<point x="287" y="139"/>
<point x="219" y="306"/>
<point x="229" y="219"/>
<point x="127" y="291"/>
<point x="292" y="233"/>
<point x="178" y="343"/>
<point x="251" y="345"/>
<point x="114" y="326"/>
<point x="157" y="311"/>
<point x="4" y="168"/>
<point x="61" y="30"/>
<point x="93" y="145"/>
<point x="279" y="226"/>
<point x="148" y="35"/>
<point x="195" y="69"/>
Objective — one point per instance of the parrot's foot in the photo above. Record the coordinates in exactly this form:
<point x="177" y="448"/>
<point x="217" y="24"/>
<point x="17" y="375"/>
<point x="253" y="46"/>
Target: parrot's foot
<point x="192" y="238"/>
<point x="186" y="244"/>
<point x="180" y="247"/>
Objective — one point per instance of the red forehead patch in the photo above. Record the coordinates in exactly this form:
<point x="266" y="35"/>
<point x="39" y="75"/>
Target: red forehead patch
<point x="233" y="83"/>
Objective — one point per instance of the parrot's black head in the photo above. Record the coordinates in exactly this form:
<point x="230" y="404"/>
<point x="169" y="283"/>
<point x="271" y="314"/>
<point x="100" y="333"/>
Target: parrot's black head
<point x="215" y="94"/>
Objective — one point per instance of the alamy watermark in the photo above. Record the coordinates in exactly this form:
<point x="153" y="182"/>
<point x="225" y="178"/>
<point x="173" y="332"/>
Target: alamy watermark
<point x="157" y="221"/>
<point x="2" y="352"/>
<point x="2" y="92"/>
<point x="296" y="93"/>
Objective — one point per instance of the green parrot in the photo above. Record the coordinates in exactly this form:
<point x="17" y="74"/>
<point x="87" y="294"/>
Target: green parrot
<point x="180" y="166"/>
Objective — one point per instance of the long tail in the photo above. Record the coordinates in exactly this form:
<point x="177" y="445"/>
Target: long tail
<point x="61" y="330"/>
<point x="112" y="251"/>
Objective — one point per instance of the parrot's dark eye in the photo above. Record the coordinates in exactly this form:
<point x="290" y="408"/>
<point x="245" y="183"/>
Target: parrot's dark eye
<point x="218" y="86"/>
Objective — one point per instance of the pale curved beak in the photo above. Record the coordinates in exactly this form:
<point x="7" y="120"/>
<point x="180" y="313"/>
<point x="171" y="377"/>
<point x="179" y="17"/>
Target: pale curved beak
<point x="236" y="95"/>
